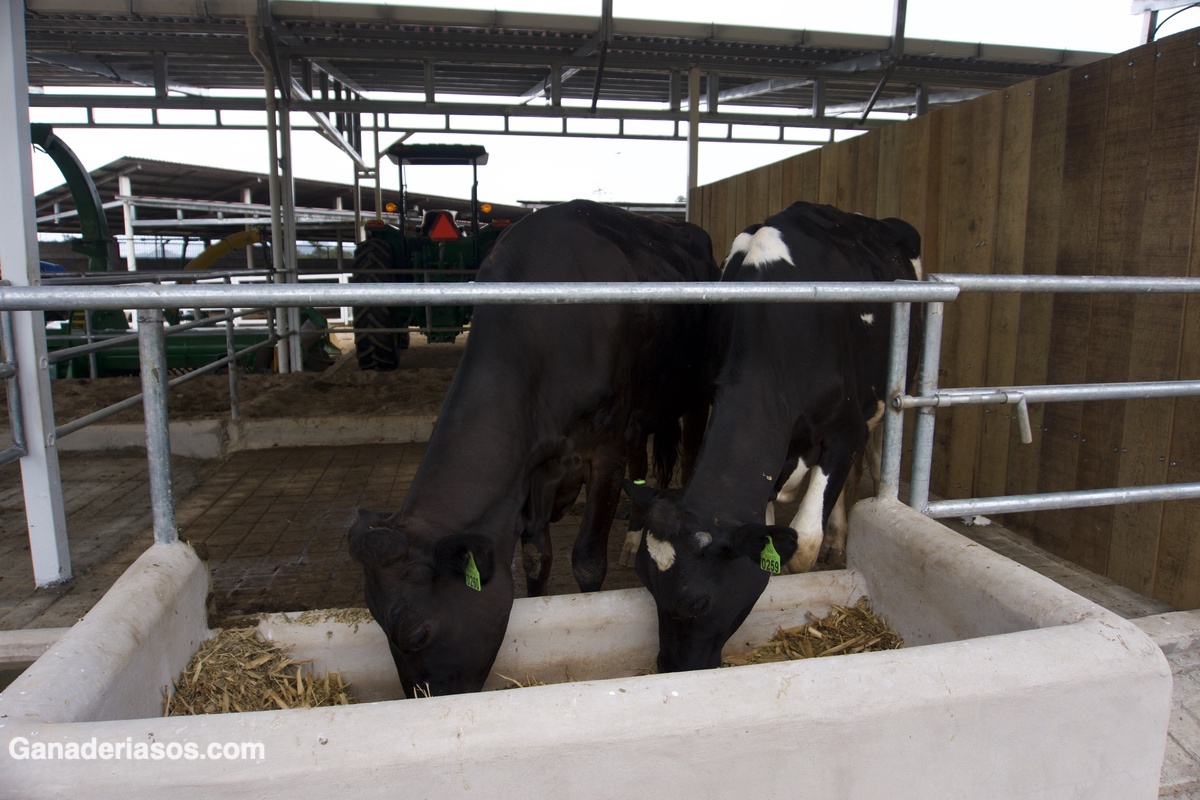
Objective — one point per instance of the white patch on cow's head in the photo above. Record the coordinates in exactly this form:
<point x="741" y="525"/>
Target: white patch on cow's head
<point x="703" y="539"/>
<point x="663" y="552"/>
<point x="916" y="262"/>
<point x="741" y="244"/>
<point x="868" y="319"/>
<point x="767" y="246"/>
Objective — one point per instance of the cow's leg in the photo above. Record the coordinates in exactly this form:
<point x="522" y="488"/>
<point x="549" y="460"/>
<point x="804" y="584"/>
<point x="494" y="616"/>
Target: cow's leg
<point x="589" y="558"/>
<point x="833" y="544"/>
<point x="825" y="486"/>
<point x="787" y="493"/>
<point x="536" y="557"/>
<point x="638" y="469"/>
<point x="808" y="522"/>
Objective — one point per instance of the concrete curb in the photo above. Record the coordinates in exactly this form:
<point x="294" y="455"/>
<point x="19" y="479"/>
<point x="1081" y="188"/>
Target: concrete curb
<point x="214" y="438"/>
<point x="22" y="647"/>
<point x="1173" y="631"/>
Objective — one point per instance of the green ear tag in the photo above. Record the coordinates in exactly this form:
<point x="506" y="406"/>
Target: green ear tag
<point x="473" y="572"/>
<point x="768" y="559"/>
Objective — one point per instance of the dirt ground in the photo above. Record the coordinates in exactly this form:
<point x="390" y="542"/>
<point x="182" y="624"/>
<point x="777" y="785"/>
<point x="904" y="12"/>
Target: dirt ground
<point x="418" y="387"/>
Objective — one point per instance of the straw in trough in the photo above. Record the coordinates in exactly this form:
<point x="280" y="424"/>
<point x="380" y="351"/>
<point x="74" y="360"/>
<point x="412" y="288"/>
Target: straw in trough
<point x="236" y="670"/>
<point x="853" y="629"/>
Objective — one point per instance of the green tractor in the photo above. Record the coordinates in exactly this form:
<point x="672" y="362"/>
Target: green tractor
<point x="440" y="248"/>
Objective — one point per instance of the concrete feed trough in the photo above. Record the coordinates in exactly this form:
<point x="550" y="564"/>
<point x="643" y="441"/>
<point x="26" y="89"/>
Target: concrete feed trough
<point x="1011" y="687"/>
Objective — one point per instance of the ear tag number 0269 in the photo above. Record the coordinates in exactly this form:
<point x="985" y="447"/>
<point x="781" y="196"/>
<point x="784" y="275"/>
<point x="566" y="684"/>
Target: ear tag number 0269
<point x="768" y="559"/>
<point x="473" y="573"/>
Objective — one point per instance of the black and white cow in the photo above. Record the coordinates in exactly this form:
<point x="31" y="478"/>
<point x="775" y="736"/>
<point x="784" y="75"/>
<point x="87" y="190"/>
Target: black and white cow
<point x="799" y="387"/>
<point x="547" y="398"/>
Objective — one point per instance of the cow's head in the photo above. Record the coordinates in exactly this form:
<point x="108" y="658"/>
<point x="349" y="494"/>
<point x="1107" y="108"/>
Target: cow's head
<point x="444" y="634"/>
<point x="705" y="578"/>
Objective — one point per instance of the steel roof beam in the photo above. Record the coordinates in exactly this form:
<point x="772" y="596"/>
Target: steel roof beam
<point x="363" y="105"/>
<point x="94" y="66"/>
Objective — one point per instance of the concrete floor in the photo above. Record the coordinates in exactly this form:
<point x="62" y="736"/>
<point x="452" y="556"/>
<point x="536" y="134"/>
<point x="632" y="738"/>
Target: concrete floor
<point x="272" y="525"/>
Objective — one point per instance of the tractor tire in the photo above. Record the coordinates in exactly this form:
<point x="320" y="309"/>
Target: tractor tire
<point x="376" y="349"/>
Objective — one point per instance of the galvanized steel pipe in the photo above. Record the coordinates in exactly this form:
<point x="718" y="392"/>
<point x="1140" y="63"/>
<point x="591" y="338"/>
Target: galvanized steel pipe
<point x="1049" y="501"/>
<point x="47" y="298"/>
<point x="153" y="350"/>
<point x="893" y="420"/>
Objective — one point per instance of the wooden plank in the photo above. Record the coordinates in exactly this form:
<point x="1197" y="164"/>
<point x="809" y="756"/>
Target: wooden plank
<point x="920" y="184"/>
<point x="827" y="189"/>
<point x="866" y="174"/>
<point x="1122" y="195"/>
<point x="974" y="190"/>
<point x="1082" y="173"/>
<point x="775" y="187"/>
<point x="999" y="429"/>
<point x="1167" y="337"/>
<point x="757" y="207"/>
<point x="890" y="172"/>
<point x="846" y="196"/>
<point x="741" y="213"/>
<point x="809" y="168"/>
<point x="1048" y="139"/>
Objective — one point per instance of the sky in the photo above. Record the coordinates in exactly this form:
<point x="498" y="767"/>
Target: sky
<point x="552" y="169"/>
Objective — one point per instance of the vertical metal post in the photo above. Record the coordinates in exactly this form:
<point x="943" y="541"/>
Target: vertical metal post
<point x="93" y="367"/>
<point x="693" y="134"/>
<point x="40" y="477"/>
<point x="893" y="419"/>
<point x="927" y="383"/>
<point x="125" y="187"/>
<point x="277" y="263"/>
<point x="248" y="198"/>
<point x="295" y="351"/>
<point x="152" y="348"/>
<point x="230" y="347"/>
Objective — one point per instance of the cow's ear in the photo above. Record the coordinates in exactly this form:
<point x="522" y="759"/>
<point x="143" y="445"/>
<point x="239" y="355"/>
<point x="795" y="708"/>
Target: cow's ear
<point x="750" y="541"/>
<point x="454" y="554"/>
<point x="641" y="493"/>
<point x="374" y="543"/>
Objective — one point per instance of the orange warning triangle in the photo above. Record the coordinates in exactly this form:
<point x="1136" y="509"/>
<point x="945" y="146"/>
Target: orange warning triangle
<point x="443" y="230"/>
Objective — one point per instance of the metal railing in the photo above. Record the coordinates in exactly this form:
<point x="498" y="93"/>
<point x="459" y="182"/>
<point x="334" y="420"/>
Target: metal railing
<point x="929" y="397"/>
<point x="935" y="292"/>
<point x="99" y="342"/>
<point x="8" y="373"/>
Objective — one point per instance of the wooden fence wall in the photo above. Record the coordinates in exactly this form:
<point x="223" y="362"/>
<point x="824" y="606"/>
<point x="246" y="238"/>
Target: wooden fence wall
<point x="1091" y="171"/>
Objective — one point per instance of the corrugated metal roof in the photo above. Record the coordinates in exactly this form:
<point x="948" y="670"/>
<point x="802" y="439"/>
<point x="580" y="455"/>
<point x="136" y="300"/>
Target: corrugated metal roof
<point x="370" y="49"/>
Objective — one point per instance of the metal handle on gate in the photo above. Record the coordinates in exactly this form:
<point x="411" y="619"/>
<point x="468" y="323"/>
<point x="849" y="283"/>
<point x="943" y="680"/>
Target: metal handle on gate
<point x="1018" y="399"/>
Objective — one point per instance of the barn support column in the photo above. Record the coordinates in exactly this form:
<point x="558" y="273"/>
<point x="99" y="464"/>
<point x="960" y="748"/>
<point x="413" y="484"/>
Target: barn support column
<point x="693" y="136"/>
<point x="40" y="478"/>
<point x="288" y="184"/>
<point x="125" y="188"/>
<point x="273" y="186"/>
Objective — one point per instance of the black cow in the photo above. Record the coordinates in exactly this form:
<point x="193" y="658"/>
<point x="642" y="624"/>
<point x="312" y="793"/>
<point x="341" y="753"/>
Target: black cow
<point x="798" y="388"/>
<point x="547" y="398"/>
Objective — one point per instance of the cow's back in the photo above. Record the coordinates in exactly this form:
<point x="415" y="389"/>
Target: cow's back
<point x="647" y="357"/>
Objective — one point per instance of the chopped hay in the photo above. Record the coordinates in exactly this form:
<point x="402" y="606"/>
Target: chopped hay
<point x="856" y="629"/>
<point x="346" y="616"/>
<point x="238" y="671"/>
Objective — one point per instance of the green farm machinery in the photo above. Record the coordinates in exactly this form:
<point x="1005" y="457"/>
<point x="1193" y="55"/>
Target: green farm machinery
<point x="435" y="249"/>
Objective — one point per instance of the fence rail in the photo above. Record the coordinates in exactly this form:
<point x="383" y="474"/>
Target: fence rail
<point x="934" y="292"/>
